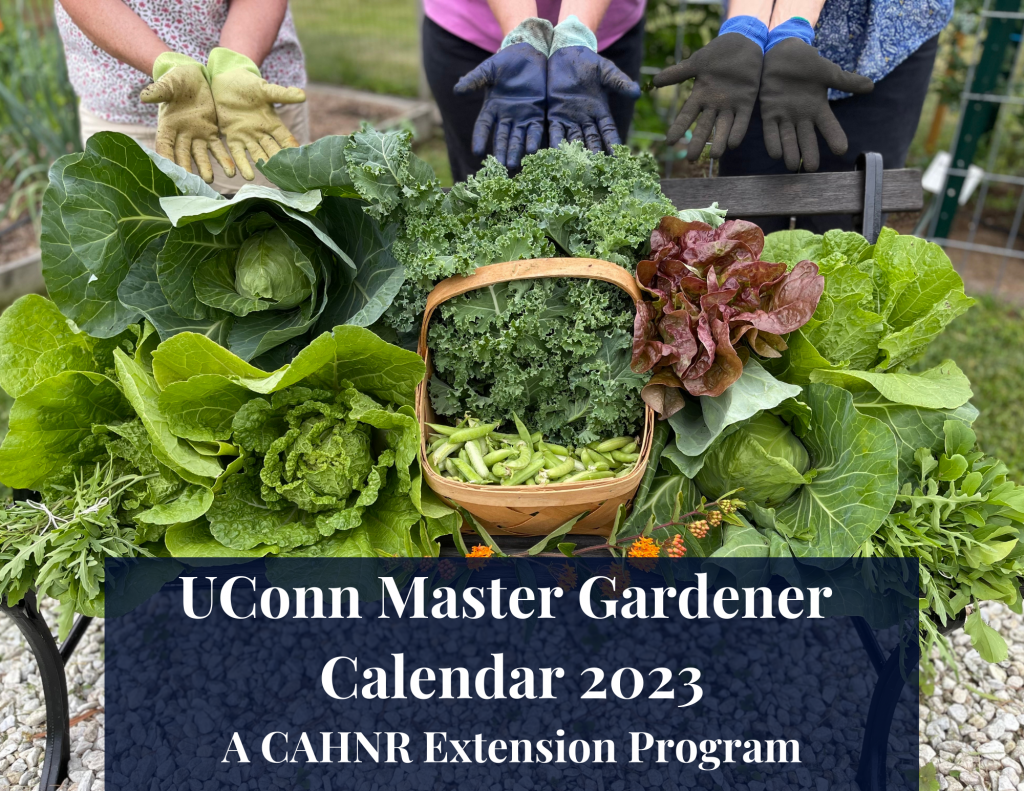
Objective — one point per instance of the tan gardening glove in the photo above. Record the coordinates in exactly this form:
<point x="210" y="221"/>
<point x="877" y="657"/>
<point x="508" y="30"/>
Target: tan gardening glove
<point x="245" y="108"/>
<point x="186" y="125"/>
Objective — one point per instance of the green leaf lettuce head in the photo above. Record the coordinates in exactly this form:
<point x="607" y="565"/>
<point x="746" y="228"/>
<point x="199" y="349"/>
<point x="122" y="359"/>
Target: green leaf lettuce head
<point x="254" y="273"/>
<point x="883" y="304"/>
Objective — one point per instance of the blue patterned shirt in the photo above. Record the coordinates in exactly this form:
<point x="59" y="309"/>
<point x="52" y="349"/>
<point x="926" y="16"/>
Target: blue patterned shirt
<point x="873" y="37"/>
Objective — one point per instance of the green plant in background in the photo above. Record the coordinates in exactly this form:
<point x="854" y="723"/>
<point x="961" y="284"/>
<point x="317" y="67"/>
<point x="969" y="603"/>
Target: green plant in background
<point x="38" y="114"/>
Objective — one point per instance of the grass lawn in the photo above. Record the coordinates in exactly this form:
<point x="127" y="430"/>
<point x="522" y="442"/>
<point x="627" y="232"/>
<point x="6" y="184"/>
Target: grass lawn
<point x="369" y="45"/>
<point x="987" y="343"/>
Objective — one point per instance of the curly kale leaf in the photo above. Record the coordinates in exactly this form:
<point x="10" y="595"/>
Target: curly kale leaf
<point x="554" y="351"/>
<point x="565" y="201"/>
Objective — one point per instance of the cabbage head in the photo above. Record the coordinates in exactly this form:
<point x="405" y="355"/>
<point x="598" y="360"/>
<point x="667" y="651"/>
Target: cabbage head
<point x="763" y="458"/>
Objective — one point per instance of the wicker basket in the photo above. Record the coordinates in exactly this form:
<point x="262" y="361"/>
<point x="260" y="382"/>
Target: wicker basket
<point x="532" y="510"/>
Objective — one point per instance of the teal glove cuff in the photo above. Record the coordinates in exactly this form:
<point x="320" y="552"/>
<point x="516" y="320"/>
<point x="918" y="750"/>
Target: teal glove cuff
<point x="166" y="61"/>
<point x="570" y="32"/>
<point x="535" y="32"/>
<point x="222" y="60"/>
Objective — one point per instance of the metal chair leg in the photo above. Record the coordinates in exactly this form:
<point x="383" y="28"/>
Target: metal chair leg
<point x="891" y="680"/>
<point x="51" y="660"/>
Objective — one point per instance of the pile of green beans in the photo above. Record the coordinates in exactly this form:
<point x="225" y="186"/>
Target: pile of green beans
<point x="475" y="452"/>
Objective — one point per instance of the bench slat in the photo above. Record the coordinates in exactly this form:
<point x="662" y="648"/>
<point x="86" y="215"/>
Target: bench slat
<point x="796" y="193"/>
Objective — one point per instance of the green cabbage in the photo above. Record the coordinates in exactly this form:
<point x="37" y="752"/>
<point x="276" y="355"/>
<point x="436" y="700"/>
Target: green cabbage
<point x="763" y="458"/>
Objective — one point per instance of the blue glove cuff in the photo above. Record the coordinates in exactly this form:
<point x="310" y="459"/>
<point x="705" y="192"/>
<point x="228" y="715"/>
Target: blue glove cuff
<point x="533" y="31"/>
<point x="749" y="26"/>
<point x="797" y="27"/>
<point x="570" y="32"/>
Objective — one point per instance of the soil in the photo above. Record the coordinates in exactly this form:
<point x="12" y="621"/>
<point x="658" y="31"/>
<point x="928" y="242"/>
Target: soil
<point x="331" y="114"/>
<point x="17" y="242"/>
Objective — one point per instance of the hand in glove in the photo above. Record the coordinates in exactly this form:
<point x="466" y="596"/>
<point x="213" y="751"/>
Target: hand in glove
<point x="516" y="83"/>
<point x="245" y="108"/>
<point x="186" y="125"/>
<point x="794" y="96"/>
<point x="726" y="74"/>
<point x="578" y="84"/>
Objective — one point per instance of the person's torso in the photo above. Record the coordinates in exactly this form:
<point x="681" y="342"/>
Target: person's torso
<point x="873" y="37"/>
<point x="473" y="21"/>
<point x="110" y="88"/>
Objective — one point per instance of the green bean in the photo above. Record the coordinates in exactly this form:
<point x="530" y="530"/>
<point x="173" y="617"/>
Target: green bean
<point x="612" y="444"/>
<point x="589" y="475"/>
<point x="444" y="452"/>
<point x="594" y="461"/>
<point x="524" y="475"/>
<point x="625" y="471"/>
<point x="451" y="469"/>
<point x="468" y="473"/>
<point x="625" y="458"/>
<point x="473" y="432"/>
<point x="510" y="438"/>
<point x="500" y="471"/>
<point x="597" y="456"/>
<point x="494" y="457"/>
<point x="476" y="459"/>
<point x="445" y="430"/>
<point x="630" y="448"/>
<point x="436" y="443"/>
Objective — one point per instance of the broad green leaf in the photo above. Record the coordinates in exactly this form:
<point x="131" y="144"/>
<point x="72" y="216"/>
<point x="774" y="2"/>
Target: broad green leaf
<point x="959" y="437"/>
<point x="910" y="342"/>
<point x="856" y="481"/>
<point x="742" y="541"/>
<point x="347" y="544"/>
<point x="141" y="390"/>
<point x="362" y="299"/>
<point x="985" y="640"/>
<point x="240" y="519"/>
<point x="48" y="423"/>
<point x="195" y="540"/>
<point x="701" y="422"/>
<point x="37" y="342"/>
<point x="791" y="247"/>
<point x="797" y="362"/>
<point x="186" y="209"/>
<point x="203" y="407"/>
<point x="943" y="387"/>
<point x="850" y="244"/>
<point x="912" y="427"/>
<point x="934" y="277"/>
<point x="189" y="506"/>
<point x="317" y="166"/>
<point x="185" y="251"/>
<point x="559" y="531"/>
<point x="187" y="183"/>
<point x="389" y="522"/>
<point x="102" y="210"/>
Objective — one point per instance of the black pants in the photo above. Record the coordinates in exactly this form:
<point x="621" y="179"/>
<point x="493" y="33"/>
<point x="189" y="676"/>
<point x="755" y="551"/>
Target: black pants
<point x="883" y="121"/>
<point x="447" y="57"/>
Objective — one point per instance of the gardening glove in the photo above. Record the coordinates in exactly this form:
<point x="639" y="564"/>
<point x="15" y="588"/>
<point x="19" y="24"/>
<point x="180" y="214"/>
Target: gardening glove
<point x="515" y="80"/>
<point x="794" y="96"/>
<point x="726" y="75"/>
<point x="186" y="124"/>
<point x="578" y="83"/>
<point x="245" y="108"/>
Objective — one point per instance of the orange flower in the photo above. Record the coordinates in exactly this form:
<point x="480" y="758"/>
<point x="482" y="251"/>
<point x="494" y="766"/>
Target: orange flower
<point x="675" y="548"/>
<point x="644" y="548"/>
<point x="477" y="555"/>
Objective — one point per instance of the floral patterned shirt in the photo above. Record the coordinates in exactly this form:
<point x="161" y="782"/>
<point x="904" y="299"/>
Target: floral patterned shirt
<point x="873" y="37"/>
<point x="110" y="88"/>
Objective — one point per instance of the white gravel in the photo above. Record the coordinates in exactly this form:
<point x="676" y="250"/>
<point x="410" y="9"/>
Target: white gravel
<point x="972" y="727"/>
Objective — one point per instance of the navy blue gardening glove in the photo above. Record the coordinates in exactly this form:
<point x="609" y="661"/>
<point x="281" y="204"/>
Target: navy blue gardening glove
<point x="516" y="82"/>
<point x="578" y="84"/>
<point x="726" y="75"/>
<point x="794" y="96"/>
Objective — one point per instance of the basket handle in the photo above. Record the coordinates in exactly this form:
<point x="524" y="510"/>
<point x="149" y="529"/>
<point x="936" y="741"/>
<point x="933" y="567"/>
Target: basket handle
<point x="585" y="268"/>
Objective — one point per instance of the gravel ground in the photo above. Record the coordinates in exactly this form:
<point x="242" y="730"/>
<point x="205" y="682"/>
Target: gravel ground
<point x="972" y="727"/>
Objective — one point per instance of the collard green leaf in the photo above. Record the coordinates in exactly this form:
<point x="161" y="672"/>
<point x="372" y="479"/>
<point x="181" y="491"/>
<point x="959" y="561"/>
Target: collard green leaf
<point x="856" y="481"/>
<point x="742" y="541"/>
<point x="701" y="422"/>
<point x="140" y="389"/>
<point x="360" y="299"/>
<point x="943" y="387"/>
<point x="101" y="211"/>
<point x="48" y="423"/>
<point x="320" y="166"/>
<point x="186" y="209"/>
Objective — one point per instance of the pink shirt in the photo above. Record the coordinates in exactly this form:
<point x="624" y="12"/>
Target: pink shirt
<point x="472" y="20"/>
